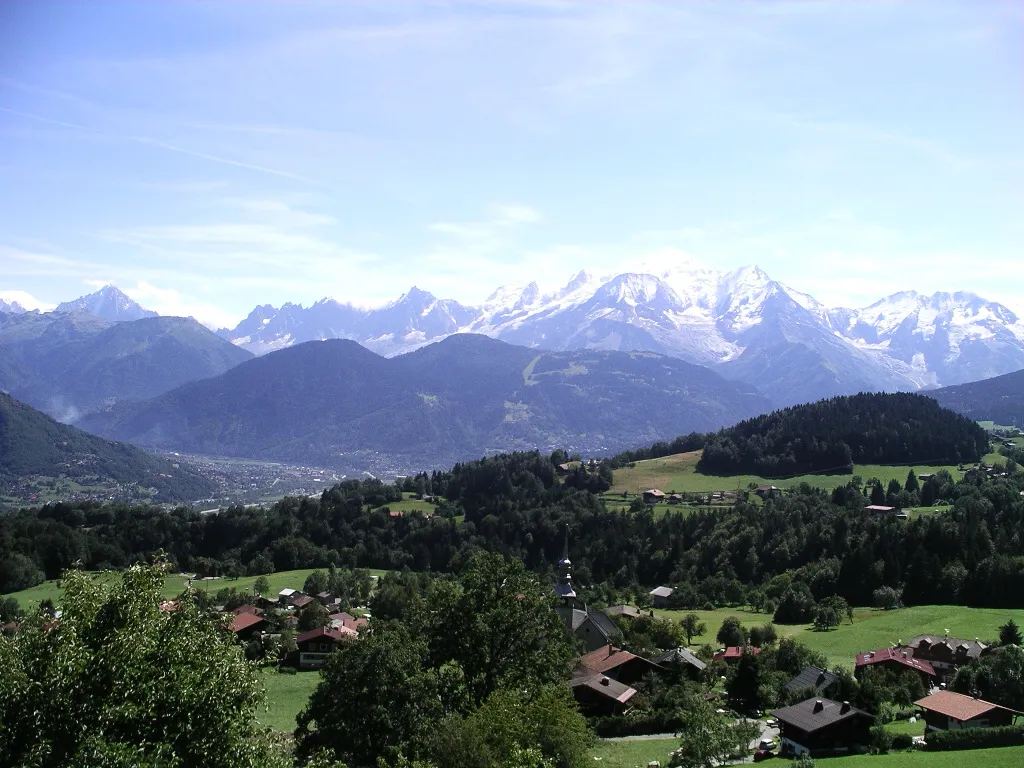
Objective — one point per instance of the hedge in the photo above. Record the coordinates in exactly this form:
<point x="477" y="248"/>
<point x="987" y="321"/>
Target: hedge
<point x="975" y="738"/>
<point x="632" y="725"/>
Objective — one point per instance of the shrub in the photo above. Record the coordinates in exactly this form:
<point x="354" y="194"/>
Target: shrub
<point x="636" y="725"/>
<point x="975" y="738"/>
<point x="902" y="741"/>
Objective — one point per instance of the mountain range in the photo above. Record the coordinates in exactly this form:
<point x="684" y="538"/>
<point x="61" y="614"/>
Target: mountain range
<point x="1000" y="400"/>
<point x="68" y="363"/>
<point x="468" y="395"/>
<point x="743" y="324"/>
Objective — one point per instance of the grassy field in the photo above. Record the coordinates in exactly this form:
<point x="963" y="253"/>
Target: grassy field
<point x="679" y="474"/>
<point x="632" y="754"/>
<point x="286" y="697"/>
<point x="637" y="754"/>
<point x="410" y="505"/>
<point x="907" y="727"/>
<point x="871" y="629"/>
<point x="175" y="584"/>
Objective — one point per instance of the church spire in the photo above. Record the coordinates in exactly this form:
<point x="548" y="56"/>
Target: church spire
<point x="564" y="587"/>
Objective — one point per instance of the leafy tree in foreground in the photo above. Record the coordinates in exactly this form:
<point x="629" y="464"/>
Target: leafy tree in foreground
<point x="731" y="633"/>
<point x="997" y="677"/>
<point x="118" y="682"/>
<point x="261" y="586"/>
<point x="707" y="739"/>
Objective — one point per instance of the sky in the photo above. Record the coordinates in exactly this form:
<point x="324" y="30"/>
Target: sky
<point x="210" y="157"/>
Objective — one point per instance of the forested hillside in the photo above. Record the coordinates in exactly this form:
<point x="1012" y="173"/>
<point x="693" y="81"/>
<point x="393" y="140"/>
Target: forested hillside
<point x="516" y="505"/>
<point x="461" y="398"/>
<point x="833" y="435"/>
<point x="32" y="445"/>
<point x="1000" y="399"/>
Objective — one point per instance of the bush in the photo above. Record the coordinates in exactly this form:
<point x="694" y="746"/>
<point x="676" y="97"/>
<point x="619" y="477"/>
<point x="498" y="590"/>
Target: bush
<point x="902" y="741"/>
<point x="636" y="725"/>
<point x="881" y="740"/>
<point x="975" y="738"/>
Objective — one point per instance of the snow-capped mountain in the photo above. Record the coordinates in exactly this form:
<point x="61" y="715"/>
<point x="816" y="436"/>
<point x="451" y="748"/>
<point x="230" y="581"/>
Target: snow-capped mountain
<point x="109" y="303"/>
<point x="11" y="307"/>
<point x="742" y="323"/>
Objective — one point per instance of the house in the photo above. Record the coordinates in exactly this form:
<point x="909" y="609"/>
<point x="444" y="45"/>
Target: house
<point x="600" y="696"/>
<point x="618" y="664"/>
<point x="734" y="652"/>
<point x="653" y="496"/>
<point x="248" y="609"/>
<point x="316" y="645"/>
<point x="946" y="653"/>
<point x="675" y="498"/>
<point x="896" y="659"/>
<point x="949" y="711"/>
<point x="821" y="681"/>
<point x="300" y="601"/>
<point x="285" y="595"/>
<point x="822" y="727"/>
<point x="563" y="469"/>
<point x="660" y="596"/>
<point x="347" y="621"/>
<point x="326" y="598"/>
<point x="245" y="625"/>
<point x="627" y="611"/>
<point x="682" y="659"/>
<point x="767" y="491"/>
<point x="879" y="509"/>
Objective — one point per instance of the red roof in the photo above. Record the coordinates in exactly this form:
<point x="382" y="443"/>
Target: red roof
<point x="956" y="705"/>
<point x="606" y="657"/>
<point x="301" y="601"/>
<point x="734" y="652"/>
<point x="331" y="634"/>
<point x="904" y="656"/>
<point x="244" y="621"/>
<point x="348" y="621"/>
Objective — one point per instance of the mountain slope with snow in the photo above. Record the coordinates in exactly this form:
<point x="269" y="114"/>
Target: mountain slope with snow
<point x="109" y="303"/>
<point x="742" y="323"/>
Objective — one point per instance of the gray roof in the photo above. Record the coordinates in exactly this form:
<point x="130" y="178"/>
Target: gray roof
<point x="661" y="592"/>
<point x="814" y="714"/>
<point x="564" y="589"/>
<point x="679" y="656"/>
<point x="605" y="686"/>
<point x="601" y="623"/>
<point x="623" y="610"/>
<point x="812" y="677"/>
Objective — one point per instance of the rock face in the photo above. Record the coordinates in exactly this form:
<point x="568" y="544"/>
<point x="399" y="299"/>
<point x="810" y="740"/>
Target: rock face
<point x="745" y="325"/>
<point x="109" y="303"/>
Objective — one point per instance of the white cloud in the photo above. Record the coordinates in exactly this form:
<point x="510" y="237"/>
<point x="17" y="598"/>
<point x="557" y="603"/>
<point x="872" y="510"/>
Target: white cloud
<point x="26" y="299"/>
<point x="170" y="302"/>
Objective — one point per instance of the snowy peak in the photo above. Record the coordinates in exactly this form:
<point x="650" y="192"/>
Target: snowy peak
<point x="11" y="307"/>
<point x="109" y="303"/>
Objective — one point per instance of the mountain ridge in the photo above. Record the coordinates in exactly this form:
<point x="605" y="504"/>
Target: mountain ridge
<point x="110" y="303"/>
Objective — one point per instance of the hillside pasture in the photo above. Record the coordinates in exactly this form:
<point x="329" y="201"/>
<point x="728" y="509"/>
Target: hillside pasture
<point x="678" y="473"/>
<point x="872" y="629"/>
<point x="287" y="696"/>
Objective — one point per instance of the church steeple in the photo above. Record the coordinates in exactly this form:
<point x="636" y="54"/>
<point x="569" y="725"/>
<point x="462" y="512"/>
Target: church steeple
<point x="564" y="588"/>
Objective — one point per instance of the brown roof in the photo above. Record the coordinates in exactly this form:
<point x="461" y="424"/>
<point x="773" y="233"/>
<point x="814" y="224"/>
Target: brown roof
<point x="814" y="714"/>
<point x="608" y="657"/>
<point x="623" y="610"/>
<point x="904" y="656"/>
<point x="331" y="634"/>
<point x="956" y="705"/>
<point x="735" y="651"/>
<point x="348" y="621"/>
<point x="301" y="601"/>
<point x="247" y="609"/>
<point x="244" y="621"/>
<point x="605" y="686"/>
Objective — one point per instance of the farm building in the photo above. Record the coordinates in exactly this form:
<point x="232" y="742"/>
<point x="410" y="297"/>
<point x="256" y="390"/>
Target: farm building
<point x="949" y="711"/>
<point x="660" y="596"/>
<point x="822" y="727"/>
<point x="653" y="496"/>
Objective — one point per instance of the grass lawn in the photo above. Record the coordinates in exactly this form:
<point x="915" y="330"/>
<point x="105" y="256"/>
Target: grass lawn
<point x="286" y="697"/>
<point x="410" y="505"/>
<point x="174" y="585"/>
<point x="631" y="754"/>
<point x="1005" y="757"/>
<point x="907" y="727"/>
<point x="871" y="629"/>
<point x="679" y="473"/>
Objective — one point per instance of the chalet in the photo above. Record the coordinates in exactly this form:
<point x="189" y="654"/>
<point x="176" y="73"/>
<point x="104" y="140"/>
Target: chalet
<point x="733" y="653"/>
<point x="598" y="695"/>
<point x="822" y="727"/>
<point x="626" y="611"/>
<point x="879" y="509"/>
<point x="767" y="491"/>
<point x="681" y="659"/>
<point x="949" y="711"/>
<point x="300" y="601"/>
<point x="248" y="609"/>
<point x="896" y="659"/>
<point x="245" y="625"/>
<point x="653" y="496"/>
<point x="316" y="645"/>
<point x="618" y="664"/>
<point x="946" y="653"/>
<point x="821" y="681"/>
<point x="347" y="621"/>
<point x="563" y="469"/>
<point x="326" y="598"/>
<point x="660" y="596"/>
<point x="675" y="498"/>
<point x="285" y="595"/>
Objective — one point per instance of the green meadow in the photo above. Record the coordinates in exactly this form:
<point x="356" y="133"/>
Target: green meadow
<point x="678" y="473"/>
<point x="286" y="697"/>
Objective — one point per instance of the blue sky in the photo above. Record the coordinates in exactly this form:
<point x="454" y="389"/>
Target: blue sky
<point x="208" y="157"/>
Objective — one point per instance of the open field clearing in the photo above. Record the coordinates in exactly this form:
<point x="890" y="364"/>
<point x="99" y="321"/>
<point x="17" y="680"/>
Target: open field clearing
<point x="678" y="473"/>
<point x="871" y="629"/>
<point x="287" y="695"/>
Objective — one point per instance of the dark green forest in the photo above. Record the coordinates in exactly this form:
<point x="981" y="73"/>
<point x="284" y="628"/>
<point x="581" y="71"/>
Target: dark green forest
<point x="806" y="541"/>
<point x="833" y="435"/>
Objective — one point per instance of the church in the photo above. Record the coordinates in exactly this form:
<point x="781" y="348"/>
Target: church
<point x="593" y="628"/>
